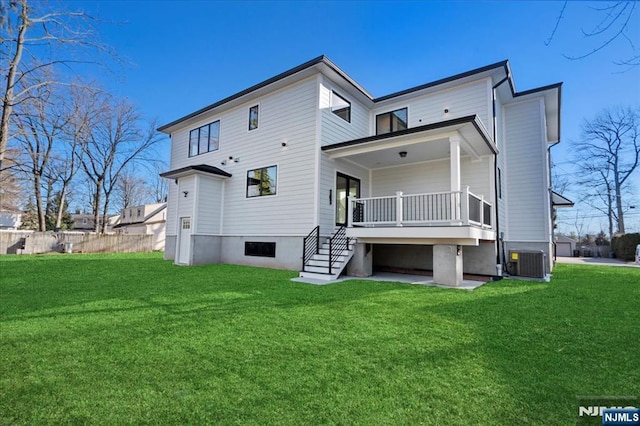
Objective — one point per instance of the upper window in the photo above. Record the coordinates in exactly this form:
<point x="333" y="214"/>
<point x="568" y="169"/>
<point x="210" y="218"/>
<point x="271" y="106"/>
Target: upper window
<point x="253" y="117"/>
<point x="340" y="107"/>
<point x="204" y="139"/>
<point x="391" y="121"/>
<point x="262" y="181"/>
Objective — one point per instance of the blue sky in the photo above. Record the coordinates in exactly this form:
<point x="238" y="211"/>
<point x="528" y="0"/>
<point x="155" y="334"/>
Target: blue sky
<point x="188" y="54"/>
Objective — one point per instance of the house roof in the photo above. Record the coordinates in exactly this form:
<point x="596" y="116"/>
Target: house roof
<point x="145" y="219"/>
<point x="456" y="122"/>
<point x="322" y="63"/>
<point x="558" y="200"/>
<point x="202" y="168"/>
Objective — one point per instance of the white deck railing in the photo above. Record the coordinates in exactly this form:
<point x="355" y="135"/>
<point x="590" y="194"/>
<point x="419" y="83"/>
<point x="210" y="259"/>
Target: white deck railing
<point x="435" y="208"/>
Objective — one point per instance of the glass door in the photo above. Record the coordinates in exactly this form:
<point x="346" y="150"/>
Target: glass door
<point x="345" y="186"/>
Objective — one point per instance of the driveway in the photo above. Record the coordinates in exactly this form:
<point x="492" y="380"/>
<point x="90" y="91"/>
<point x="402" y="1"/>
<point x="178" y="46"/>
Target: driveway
<point x="594" y="261"/>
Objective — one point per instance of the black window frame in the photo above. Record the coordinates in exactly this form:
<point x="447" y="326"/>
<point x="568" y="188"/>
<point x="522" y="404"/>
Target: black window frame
<point x="263" y="172"/>
<point x="257" y="121"/>
<point x="198" y="142"/>
<point x="260" y="248"/>
<point x="337" y="112"/>
<point x="390" y="114"/>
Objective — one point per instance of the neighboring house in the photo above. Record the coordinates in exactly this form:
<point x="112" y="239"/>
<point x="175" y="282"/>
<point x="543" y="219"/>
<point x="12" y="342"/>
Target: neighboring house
<point x="145" y="219"/>
<point x="448" y="176"/>
<point x="565" y="246"/>
<point x="10" y="220"/>
<point x="86" y="222"/>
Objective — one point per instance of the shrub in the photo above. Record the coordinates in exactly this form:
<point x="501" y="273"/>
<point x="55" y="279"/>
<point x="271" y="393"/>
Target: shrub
<point x="625" y="246"/>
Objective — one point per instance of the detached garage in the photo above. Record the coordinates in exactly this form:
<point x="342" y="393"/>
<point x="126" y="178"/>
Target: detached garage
<point x="565" y="246"/>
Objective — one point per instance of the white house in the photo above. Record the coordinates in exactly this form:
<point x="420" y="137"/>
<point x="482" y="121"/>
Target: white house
<point x="10" y="219"/>
<point x="147" y="219"/>
<point x="449" y="176"/>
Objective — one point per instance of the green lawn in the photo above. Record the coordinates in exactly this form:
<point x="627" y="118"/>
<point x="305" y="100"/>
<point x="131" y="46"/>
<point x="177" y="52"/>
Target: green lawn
<point x="114" y="339"/>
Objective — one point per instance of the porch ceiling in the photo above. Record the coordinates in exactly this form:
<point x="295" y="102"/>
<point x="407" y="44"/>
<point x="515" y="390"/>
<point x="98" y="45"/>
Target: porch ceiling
<point x="423" y="143"/>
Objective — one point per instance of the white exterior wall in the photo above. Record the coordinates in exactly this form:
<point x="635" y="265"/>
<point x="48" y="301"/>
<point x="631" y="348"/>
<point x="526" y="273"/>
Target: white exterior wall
<point x="287" y="115"/>
<point x="186" y="205"/>
<point x="209" y="205"/>
<point x="433" y="176"/>
<point x="172" y="208"/>
<point x="334" y="129"/>
<point x="461" y="101"/>
<point x="526" y="176"/>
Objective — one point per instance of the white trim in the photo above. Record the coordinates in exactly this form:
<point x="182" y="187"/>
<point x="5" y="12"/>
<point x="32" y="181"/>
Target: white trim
<point x="505" y="173"/>
<point x="222" y="204"/>
<point x="194" y="207"/>
<point x="546" y="195"/>
<point x="318" y="153"/>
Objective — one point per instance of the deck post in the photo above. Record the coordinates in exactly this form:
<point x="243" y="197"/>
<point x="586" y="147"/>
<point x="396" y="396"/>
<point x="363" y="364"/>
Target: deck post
<point x="399" y="211"/>
<point x="482" y="211"/>
<point x="464" y="205"/>
<point x="349" y="212"/>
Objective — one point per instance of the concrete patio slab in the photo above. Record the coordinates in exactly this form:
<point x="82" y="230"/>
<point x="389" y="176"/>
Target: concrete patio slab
<point x="399" y="278"/>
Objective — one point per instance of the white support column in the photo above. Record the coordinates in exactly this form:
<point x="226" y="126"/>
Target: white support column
<point x="454" y="160"/>
<point x="349" y="212"/>
<point x="399" y="206"/>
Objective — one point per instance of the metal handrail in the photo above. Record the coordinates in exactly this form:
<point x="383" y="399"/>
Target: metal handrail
<point x="338" y="243"/>
<point x="310" y="246"/>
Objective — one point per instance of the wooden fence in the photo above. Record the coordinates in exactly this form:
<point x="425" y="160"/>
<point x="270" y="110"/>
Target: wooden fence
<point x="29" y="242"/>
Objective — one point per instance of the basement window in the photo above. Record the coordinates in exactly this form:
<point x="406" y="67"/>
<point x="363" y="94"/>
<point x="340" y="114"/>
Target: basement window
<point x="260" y="249"/>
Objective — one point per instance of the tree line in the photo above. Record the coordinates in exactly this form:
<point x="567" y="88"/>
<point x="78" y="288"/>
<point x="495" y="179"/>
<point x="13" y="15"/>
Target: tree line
<point x="60" y="134"/>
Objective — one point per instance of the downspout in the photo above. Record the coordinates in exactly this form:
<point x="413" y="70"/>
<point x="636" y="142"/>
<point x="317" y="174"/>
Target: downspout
<point x="553" y="231"/>
<point x="500" y="258"/>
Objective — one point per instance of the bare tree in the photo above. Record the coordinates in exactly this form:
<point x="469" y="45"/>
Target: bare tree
<point x="11" y="193"/>
<point x="40" y="121"/>
<point x="608" y="155"/>
<point x="132" y="190"/>
<point x="119" y="138"/>
<point x="34" y="38"/>
<point x="614" y="22"/>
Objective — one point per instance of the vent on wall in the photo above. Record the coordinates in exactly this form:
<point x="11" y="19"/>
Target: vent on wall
<point x="524" y="263"/>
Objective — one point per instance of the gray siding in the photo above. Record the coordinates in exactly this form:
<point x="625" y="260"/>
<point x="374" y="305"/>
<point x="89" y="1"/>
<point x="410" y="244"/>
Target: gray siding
<point x="209" y="205"/>
<point x="526" y="172"/>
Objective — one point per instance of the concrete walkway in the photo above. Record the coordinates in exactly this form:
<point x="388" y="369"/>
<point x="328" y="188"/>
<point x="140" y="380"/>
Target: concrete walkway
<point x="595" y="261"/>
<point x="399" y="278"/>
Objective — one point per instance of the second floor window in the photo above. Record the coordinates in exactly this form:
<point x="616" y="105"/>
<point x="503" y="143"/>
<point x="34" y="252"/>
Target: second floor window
<point x="391" y="121"/>
<point x="253" y="117"/>
<point x="262" y="182"/>
<point x="341" y="107"/>
<point x="204" y="139"/>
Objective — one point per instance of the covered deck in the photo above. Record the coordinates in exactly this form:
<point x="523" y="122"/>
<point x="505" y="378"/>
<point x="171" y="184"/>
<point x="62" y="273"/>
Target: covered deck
<point x="447" y="214"/>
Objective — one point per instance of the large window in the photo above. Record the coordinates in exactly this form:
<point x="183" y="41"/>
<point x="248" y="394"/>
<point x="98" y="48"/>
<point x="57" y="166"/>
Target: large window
<point x="253" y="117"/>
<point x="340" y="107"/>
<point x="262" y="181"/>
<point x="258" y="248"/>
<point x="391" y="121"/>
<point x="204" y="139"/>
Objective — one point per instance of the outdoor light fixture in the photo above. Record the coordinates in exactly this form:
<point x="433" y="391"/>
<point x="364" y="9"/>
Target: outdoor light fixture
<point x="284" y="144"/>
<point x="223" y="162"/>
<point x="446" y="110"/>
<point x="236" y="160"/>
<point x="403" y="154"/>
<point x="185" y="193"/>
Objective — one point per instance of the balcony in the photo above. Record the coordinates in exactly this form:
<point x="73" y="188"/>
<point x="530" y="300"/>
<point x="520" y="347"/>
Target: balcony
<point x="454" y="217"/>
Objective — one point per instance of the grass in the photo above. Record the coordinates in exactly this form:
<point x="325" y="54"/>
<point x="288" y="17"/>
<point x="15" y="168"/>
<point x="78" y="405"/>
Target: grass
<point x="114" y="339"/>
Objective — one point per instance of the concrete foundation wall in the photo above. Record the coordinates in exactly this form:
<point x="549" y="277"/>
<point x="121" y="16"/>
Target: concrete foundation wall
<point x="361" y="264"/>
<point x="479" y="260"/>
<point x="205" y="249"/>
<point x="170" y="247"/>
<point x="288" y="252"/>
